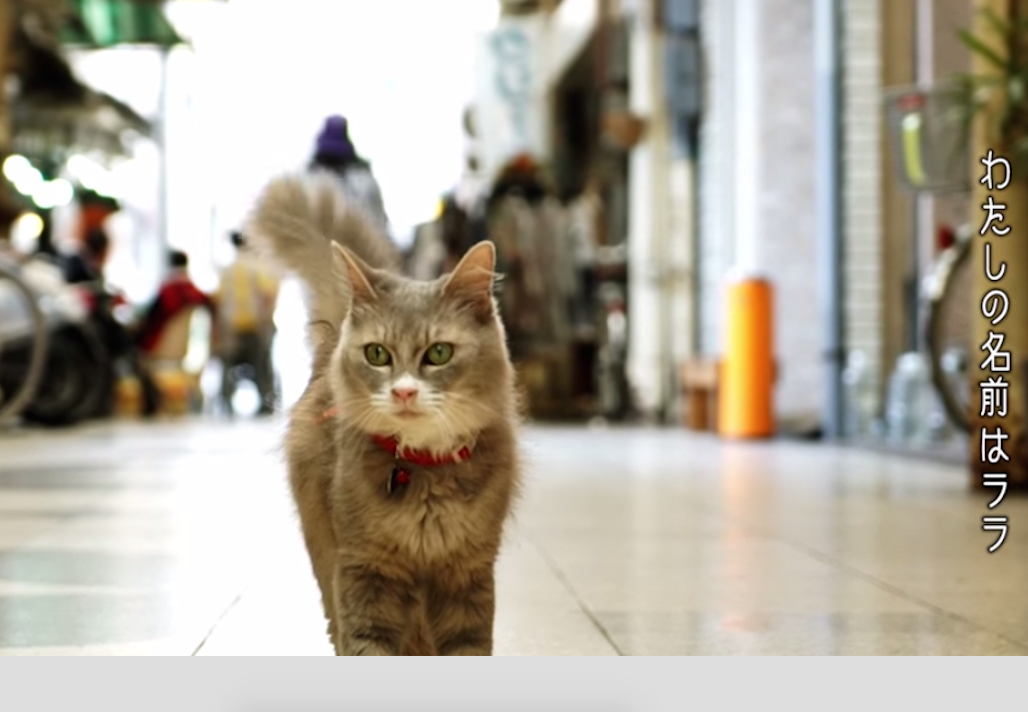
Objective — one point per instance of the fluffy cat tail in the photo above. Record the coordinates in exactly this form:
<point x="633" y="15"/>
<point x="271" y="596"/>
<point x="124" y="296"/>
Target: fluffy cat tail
<point x="297" y="218"/>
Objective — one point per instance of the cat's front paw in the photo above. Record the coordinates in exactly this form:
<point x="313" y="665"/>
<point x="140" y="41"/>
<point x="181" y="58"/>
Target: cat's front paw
<point x="369" y="640"/>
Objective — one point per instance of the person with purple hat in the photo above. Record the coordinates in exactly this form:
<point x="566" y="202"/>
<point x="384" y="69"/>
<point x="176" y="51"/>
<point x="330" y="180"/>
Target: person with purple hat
<point x="335" y="153"/>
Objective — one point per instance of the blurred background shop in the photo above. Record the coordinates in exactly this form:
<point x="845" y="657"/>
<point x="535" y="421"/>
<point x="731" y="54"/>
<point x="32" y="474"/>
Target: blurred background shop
<point x="629" y="158"/>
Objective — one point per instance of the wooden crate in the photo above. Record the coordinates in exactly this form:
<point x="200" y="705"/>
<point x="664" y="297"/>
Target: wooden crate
<point x="699" y="380"/>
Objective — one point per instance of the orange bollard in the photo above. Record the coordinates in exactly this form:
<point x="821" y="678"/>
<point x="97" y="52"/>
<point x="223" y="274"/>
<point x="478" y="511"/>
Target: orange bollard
<point x="746" y="408"/>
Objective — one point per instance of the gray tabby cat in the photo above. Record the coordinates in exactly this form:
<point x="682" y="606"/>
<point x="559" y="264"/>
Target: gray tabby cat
<point x="402" y="453"/>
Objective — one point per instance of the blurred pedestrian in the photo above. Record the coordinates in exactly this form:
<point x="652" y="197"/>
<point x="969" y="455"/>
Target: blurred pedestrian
<point x="85" y="268"/>
<point x="177" y="294"/>
<point x="334" y="152"/>
<point x="455" y="232"/>
<point x="87" y="263"/>
<point x="523" y="177"/>
<point x="585" y="223"/>
<point x="246" y="327"/>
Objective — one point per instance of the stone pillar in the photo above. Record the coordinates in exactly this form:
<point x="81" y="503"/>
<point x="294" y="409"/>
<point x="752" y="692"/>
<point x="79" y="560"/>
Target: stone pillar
<point x="7" y="21"/>
<point x="648" y="342"/>
<point x="6" y="28"/>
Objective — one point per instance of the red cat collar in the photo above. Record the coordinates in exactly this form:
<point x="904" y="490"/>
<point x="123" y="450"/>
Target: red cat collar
<point x="400" y="476"/>
<point x="423" y="458"/>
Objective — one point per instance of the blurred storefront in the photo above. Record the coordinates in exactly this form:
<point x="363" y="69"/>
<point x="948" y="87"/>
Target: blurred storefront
<point x="85" y="188"/>
<point x="631" y="158"/>
<point x="88" y="141"/>
<point x="577" y="90"/>
<point x="801" y="179"/>
<point x="721" y="145"/>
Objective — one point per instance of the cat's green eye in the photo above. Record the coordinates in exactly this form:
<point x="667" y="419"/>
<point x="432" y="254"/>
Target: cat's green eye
<point x="439" y="354"/>
<point x="377" y="355"/>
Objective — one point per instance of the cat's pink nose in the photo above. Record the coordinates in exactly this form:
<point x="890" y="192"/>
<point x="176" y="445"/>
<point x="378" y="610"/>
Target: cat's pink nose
<point x="405" y="396"/>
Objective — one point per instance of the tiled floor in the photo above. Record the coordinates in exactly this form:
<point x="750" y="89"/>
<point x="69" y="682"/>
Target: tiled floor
<point x="179" y="539"/>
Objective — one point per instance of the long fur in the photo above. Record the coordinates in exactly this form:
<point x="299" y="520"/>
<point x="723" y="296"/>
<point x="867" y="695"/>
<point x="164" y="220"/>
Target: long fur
<point x="295" y="220"/>
<point x="408" y="571"/>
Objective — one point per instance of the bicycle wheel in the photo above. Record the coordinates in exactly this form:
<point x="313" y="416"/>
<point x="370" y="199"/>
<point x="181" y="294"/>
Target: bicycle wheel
<point x="21" y="366"/>
<point x="950" y="310"/>
<point x="76" y="379"/>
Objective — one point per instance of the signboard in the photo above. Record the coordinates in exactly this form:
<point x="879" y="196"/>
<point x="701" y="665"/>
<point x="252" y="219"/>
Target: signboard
<point x="510" y="104"/>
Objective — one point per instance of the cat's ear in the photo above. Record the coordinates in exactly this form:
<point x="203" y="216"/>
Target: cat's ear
<point x="472" y="278"/>
<point x="356" y="271"/>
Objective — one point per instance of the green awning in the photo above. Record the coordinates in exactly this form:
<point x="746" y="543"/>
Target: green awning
<point x="110" y="23"/>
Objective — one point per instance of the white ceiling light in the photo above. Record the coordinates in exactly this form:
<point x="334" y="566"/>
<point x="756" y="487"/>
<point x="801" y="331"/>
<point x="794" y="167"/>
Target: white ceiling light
<point x="25" y="231"/>
<point x="52" y="194"/>
<point x="25" y="177"/>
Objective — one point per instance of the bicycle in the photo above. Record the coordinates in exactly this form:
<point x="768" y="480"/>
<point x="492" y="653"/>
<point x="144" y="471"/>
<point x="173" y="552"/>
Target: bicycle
<point x="947" y="301"/>
<point x="24" y="341"/>
<point x="932" y="157"/>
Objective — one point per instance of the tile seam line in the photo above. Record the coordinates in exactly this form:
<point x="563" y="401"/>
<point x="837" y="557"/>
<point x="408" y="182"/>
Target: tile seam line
<point x="896" y="591"/>
<point x="210" y="631"/>
<point x="566" y="583"/>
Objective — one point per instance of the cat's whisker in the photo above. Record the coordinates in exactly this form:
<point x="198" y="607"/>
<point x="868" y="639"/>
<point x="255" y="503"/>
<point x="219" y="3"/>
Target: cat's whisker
<point x="463" y="425"/>
<point x="345" y="410"/>
<point x="364" y="421"/>
<point x="477" y="403"/>
<point x="451" y="436"/>
<point x="466" y="421"/>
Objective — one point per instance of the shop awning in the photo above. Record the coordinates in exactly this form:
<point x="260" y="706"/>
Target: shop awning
<point x="99" y="123"/>
<point x="112" y="23"/>
<point x="55" y="113"/>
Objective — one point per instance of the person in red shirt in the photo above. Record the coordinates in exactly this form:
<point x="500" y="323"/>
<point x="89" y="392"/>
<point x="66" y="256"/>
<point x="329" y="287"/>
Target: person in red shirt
<point x="176" y="294"/>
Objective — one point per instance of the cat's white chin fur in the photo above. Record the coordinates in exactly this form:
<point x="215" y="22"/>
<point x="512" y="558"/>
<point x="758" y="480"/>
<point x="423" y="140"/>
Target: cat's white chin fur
<point x="425" y="433"/>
